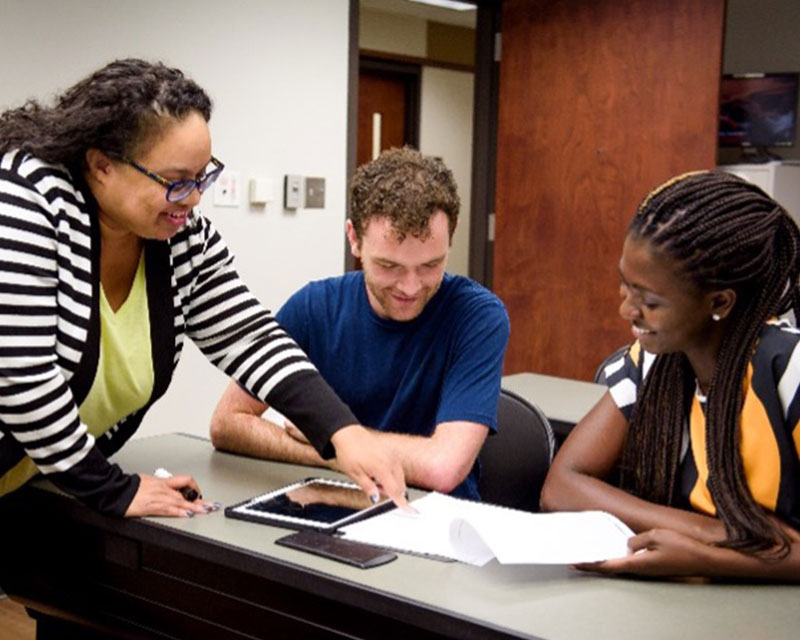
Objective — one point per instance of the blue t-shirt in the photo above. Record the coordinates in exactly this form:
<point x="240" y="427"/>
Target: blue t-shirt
<point x="407" y="377"/>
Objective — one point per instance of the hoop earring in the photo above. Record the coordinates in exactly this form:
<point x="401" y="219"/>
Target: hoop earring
<point x="715" y="317"/>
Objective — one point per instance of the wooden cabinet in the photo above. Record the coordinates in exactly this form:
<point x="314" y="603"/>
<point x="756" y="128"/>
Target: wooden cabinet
<point x="591" y="116"/>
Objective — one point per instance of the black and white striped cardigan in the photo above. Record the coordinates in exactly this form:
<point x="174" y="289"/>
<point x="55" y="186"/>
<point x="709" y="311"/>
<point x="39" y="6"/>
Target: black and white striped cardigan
<point x="49" y="332"/>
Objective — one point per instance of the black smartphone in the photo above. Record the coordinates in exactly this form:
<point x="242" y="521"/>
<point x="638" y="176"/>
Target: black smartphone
<point x="363" y="556"/>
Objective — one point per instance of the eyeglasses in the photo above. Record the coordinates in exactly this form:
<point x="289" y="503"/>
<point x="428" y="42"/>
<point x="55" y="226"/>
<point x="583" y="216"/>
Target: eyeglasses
<point x="179" y="189"/>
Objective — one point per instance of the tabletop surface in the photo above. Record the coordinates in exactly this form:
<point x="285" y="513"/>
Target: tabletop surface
<point x="560" y="399"/>
<point x="553" y="602"/>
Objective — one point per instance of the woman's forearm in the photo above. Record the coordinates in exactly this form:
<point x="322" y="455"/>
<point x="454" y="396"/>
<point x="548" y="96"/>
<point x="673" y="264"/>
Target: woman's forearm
<point x="573" y="491"/>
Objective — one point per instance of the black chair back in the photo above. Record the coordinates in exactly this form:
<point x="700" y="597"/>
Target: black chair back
<point x="600" y="374"/>
<point x="514" y="461"/>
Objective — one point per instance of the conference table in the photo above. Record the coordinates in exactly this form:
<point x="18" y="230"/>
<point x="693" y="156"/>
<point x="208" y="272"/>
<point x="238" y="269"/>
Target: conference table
<point x="215" y="577"/>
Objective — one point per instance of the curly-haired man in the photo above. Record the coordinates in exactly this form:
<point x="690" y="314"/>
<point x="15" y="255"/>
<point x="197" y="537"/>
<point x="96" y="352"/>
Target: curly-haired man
<point x="416" y="353"/>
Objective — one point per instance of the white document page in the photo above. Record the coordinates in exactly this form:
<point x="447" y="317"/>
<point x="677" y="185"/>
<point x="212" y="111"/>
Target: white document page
<point x="476" y="532"/>
<point x="428" y="532"/>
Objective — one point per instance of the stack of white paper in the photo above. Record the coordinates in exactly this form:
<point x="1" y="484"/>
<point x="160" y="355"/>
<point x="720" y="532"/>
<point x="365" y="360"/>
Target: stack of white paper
<point x="475" y="532"/>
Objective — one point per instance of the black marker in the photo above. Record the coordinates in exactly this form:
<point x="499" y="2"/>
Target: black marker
<point x="187" y="492"/>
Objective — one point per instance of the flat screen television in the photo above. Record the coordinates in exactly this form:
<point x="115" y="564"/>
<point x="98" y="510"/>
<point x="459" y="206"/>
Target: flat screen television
<point x="758" y="110"/>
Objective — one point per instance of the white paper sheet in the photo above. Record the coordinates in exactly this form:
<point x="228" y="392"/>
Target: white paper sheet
<point x="477" y="532"/>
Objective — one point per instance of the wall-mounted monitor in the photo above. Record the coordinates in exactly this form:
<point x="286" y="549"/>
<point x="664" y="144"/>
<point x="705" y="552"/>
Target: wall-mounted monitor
<point x="758" y="110"/>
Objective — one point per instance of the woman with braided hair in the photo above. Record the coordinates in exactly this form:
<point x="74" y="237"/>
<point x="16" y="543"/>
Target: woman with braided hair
<point x="695" y="445"/>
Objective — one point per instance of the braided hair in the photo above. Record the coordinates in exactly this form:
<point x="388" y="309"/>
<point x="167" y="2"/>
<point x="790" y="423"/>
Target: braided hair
<point x="116" y="109"/>
<point x="724" y="233"/>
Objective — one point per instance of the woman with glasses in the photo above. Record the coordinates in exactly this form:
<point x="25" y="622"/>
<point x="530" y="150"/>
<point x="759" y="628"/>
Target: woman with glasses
<point x="696" y="443"/>
<point x="105" y="269"/>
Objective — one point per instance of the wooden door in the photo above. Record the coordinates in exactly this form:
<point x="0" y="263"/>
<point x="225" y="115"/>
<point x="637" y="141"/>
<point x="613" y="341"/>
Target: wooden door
<point x="598" y="103"/>
<point x="389" y="93"/>
<point x="381" y="97"/>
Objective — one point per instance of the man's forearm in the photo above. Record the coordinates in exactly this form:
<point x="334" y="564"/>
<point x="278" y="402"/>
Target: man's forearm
<point x="439" y="462"/>
<point x="252" y="435"/>
<point x="420" y="461"/>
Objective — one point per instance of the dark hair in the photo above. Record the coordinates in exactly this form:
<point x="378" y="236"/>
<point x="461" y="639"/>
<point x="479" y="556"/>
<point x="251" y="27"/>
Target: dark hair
<point x="116" y="109"/>
<point x="723" y="232"/>
<point x="407" y="188"/>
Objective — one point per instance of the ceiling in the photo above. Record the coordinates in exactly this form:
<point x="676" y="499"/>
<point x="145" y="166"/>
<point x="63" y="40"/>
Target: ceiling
<point x="435" y="14"/>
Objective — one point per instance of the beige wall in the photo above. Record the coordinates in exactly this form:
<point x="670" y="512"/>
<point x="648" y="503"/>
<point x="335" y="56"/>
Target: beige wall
<point x="450" y="43"/>
<point x="277" y="72"/>
<point x="446" y="131"/>
<point x="393" y="33"/>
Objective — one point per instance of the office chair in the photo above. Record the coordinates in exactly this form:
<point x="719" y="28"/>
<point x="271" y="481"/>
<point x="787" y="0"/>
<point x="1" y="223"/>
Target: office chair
<point x="600" y="374"/>
<point x="514" y="461"/>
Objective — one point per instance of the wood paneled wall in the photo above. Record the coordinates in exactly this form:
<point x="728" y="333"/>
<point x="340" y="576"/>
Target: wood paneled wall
<point x="600" y="100"/>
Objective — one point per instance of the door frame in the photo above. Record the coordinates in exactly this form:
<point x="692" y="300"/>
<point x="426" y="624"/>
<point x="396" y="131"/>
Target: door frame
<point x="411" y="75"/>
<point x="484" y="140"/>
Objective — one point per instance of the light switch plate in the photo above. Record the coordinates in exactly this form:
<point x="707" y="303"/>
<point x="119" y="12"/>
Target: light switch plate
<point x="293" y="192"/>
<point x="226" y="189"/>
<point x="315" y="193"/>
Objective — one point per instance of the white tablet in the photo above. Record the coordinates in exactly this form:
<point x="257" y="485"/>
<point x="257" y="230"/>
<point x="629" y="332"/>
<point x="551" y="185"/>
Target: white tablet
<point x="314" y="503"/>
